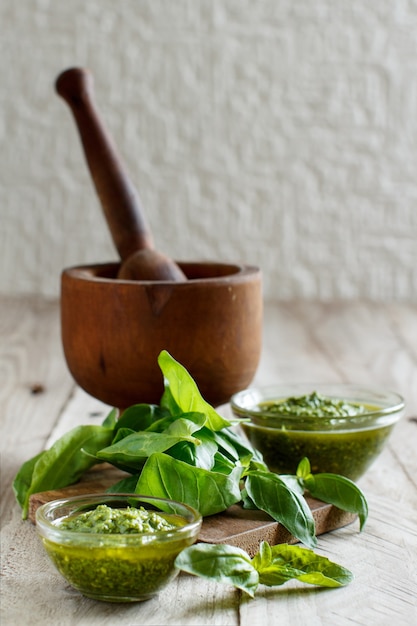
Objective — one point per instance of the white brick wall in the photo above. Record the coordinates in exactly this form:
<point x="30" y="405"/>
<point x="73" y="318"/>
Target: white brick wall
<point x="280" y="133"/>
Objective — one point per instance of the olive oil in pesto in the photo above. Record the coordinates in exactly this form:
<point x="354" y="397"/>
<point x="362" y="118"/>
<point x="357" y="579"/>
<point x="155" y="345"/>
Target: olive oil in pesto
<point x="313" y="426"/>
<point x="106" y="568"/>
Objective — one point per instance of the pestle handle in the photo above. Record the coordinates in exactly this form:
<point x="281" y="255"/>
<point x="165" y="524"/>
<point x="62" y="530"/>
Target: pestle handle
<point x="117" y="195"/>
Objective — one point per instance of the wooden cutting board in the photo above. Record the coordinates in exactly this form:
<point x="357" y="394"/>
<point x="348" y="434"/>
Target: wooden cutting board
<point x="236" y="526"/>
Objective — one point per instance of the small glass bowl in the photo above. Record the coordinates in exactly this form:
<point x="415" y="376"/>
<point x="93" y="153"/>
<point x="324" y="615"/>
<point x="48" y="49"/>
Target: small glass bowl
<point x="341" y="445"/>
<point x="116" y="567"/>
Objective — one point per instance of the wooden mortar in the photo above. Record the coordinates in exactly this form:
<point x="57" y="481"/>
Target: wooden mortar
<point x="113" y="330"/>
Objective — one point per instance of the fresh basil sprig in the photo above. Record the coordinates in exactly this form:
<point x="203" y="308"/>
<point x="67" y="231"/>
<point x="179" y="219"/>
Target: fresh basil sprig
<point x="333" y="489"/>
<point x="274" y="496"/>
<point x="271" y="566"/>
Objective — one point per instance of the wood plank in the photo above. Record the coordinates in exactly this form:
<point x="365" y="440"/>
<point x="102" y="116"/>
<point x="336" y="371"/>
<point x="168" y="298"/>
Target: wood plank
<point x="35" y="384"/>
<point x="403" y="317"/>
<point x="327" y="341"/>
<point x="291" y="353"/>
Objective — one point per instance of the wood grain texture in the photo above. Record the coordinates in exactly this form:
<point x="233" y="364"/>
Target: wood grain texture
<point x="113" y="330"/>
<point x="324" y="342"/>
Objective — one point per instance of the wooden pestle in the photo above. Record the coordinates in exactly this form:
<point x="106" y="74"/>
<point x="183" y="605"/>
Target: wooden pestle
<point x="118" y="197"/>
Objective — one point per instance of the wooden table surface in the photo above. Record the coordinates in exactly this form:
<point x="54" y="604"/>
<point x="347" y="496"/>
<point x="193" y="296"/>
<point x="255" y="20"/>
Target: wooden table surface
<point x="303" y="342"/>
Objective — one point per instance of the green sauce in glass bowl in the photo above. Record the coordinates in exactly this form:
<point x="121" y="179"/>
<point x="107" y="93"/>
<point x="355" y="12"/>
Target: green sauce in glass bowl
<point x="341" y="429"/>
<point x="117" y="548"/>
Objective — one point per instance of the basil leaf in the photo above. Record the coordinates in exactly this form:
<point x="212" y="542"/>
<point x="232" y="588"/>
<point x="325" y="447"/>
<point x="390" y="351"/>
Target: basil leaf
<point x="339" y="491"/>
<point x="202" y="455"/>
<point x="185" y="393"/>
<point x="131" y="450"/>
<point x="139" y="416"/>
<point x="222" y="563"/>
<point x="65" y="461"/>
<point x="235" y="446"/>
<point x="125" y="485"/>
<point x="168" y="402"/>
<point x="303" y="468"/>
<point x="272" y="566"/>
<point x="207" y="491"/>
<point x="270" y="574"/>
<point x="222" y="464"/>
<point x="162" y="424"/>
<point x="186" y="425"/>
<point x="23" y="479"/>
<point x="121" y="433"/>
<point x="186" y="452"/>
<point x="246" y="501"/>
<point x="272" y="495"/>
<point x="111" y="420"/>
<point x="293" y="483"/>
<point x="278" y="564"/>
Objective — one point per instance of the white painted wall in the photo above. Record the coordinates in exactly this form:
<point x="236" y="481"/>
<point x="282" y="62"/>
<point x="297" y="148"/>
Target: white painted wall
<point x="280" y="133"/>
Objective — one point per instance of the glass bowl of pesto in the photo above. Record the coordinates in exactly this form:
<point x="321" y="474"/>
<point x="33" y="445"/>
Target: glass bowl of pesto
<point x="340" y="428"/>
<point x="117" y="547"/>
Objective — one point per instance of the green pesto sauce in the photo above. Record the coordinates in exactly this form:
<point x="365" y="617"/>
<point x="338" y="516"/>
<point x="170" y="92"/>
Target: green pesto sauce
<point x="313" y="404"/>
<point x="105" y="520"/>
<point x="346" y="452"/>
<point x="107" y="570"/>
